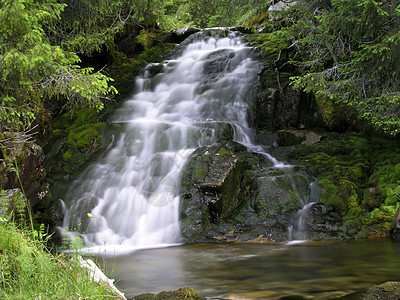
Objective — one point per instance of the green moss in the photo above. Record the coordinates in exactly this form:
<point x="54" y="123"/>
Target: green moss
<point x="81" y="143"/>
<point x="382" y="218"/>
<point x="156" y="53"/>
<point x="182" y="293"/>
<point x="200" y="170"/>
<point x="258" y="19"/>
<point x="71" y="120"/>
<point x="271" y="43"/>
<point x="349" y="164"/>
<point x="223" y="151"/>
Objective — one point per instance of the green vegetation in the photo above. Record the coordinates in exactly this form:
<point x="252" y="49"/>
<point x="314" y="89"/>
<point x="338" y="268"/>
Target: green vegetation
<point x="29" y="270"/>
<point x="359" y="179"/>
<point x="33" y="70"/>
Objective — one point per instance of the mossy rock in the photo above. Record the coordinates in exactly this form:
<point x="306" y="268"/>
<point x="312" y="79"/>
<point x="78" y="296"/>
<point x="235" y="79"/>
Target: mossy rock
<point x="186" y="293"/>
<point x="360" y="178"/>
<point x="156" y="53"/>
<point x="81" y="143"/>
<point x="387" y="291"/>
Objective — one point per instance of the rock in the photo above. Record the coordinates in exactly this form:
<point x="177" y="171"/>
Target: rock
<point x="395" y="234"/>
<point x="26" y="159"/>
<point x="372" y="198"/>
<point x="277" y="109"/>
<point x="182" y="293"/>
<point x="210" y="188"/>
<point x="287" y="138"/>
<point x="281" y="5"/>
<point x="22" y="162"/>
<point x="230" y="195"/>
<point x="179" y="35"/>
<point x="387" y="291"/>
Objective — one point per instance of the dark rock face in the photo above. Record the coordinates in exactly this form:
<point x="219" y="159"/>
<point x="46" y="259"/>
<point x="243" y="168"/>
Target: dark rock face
<point x="387" y="291"/>
<point x="210" y="188"/>
<point x="179" y="35"/>
<point x="229" y="194"/>
<point x="277" y="109"/>
<point x="396" y="225"/>
<point x="23" y="163"/>
<point x="24" y="159"/>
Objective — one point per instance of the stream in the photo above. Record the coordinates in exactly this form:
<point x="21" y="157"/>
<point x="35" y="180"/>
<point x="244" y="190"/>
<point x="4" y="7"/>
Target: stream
<point x="313" y="270"/>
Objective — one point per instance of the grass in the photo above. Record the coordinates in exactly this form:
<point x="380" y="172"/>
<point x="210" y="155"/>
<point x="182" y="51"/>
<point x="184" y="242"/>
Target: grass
<point x="28" y="270"/>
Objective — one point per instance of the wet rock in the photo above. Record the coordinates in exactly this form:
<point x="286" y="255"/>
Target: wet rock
<point x="182" y="293"/>
<point x="387" y="291"/>
<point x="287" y="138"/>
<point x="230" y="195"/>
<point x="22" y="162"/>
<point x="396" y="225"/>
<point x="372" y="198"/>
<point x="277" y="109"/>
<point x="153" y="69"/>
<point x="210" y="188"/>
<point x="179" y="35"/>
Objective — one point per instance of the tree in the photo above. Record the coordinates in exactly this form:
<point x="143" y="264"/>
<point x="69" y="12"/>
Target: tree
<point x="32" y="69"/>
<point x="349" y="54"/>
<point x="211" y="13"/>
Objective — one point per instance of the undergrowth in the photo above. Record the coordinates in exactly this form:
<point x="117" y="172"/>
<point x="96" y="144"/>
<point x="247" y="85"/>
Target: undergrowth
<point x="28" y="270"/>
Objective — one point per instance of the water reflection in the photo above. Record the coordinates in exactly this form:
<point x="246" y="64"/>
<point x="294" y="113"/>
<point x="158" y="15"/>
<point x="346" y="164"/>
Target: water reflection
<point x="314" y="270"/>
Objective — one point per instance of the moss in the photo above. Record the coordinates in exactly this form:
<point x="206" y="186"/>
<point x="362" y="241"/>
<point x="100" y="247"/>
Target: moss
<point x="200" y="170"/>
<point x="357" y="176"/>
<point x="82" y="142"/>
<point x="382" y="218"/>
<point x="182" y="293"/>
<point x="271" y="43"/>
<point x="156" y="53"/>
<point x="223" y="151"/>
<point x="258" y="19"/>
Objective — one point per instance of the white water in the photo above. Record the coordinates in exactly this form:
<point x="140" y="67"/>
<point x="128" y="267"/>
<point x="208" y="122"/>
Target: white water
<point x="298" y="230"/>
<point x="131" y="193"/>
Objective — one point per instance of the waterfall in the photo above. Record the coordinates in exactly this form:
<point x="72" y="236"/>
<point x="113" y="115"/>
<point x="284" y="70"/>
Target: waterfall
<point x="128" y="199"/>
<point x="298" y="230"/>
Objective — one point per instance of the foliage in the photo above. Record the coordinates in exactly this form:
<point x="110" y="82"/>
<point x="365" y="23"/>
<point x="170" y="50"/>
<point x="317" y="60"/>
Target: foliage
<point x="216" y="13"/>
<point x="359" y="179"/>
<point x="32" y="69"/>
<point x="348" y="54"/>
<point x="87" y="25"/>
<point x="30" y="271"/>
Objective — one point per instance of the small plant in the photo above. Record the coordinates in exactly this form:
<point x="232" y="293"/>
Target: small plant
<point x="28" y="270"/>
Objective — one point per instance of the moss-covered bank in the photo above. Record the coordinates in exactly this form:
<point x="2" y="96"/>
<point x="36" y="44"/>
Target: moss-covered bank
<point x="360" y="178"/>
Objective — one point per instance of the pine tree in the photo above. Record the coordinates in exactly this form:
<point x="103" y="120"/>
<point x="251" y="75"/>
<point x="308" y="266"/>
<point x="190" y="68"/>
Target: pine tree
<point x="32" y="69"/>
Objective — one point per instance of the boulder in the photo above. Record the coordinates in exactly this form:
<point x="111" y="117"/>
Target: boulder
<point x="284" y="108"/>
<point x="210" y="188"/>
<point x="396" y="225"/>
<point x="179" y="35"/>
<point x="230" y="195"/>
<point x="387" y="291"/>
<point x="182" y="293"/>
<point x="21" y="162"/>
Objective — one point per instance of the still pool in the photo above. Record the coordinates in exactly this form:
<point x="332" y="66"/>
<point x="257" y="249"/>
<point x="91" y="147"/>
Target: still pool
<point x="312" y="270"/>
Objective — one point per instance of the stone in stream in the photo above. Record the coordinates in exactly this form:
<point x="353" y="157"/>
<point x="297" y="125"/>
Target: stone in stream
<point x="182" y="293"/>
<point x="388" y="291"/>
<point x="229" y="194"/>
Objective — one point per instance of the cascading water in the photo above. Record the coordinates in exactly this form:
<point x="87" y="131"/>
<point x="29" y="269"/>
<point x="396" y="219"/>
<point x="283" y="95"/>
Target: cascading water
<point x="129" y="197"/>
<point x="298" y="229"/>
